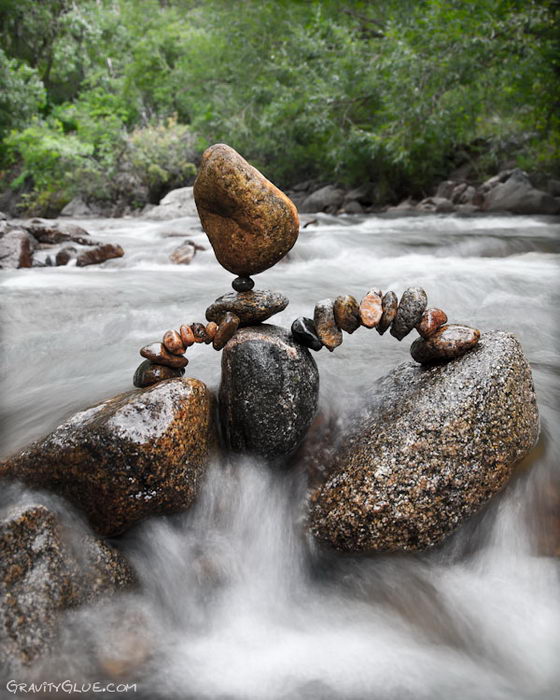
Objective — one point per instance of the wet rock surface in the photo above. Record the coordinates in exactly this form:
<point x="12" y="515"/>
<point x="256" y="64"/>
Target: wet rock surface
<point x="160" y="355"/>
<point x="46" y="567"/>
<point x="250" y="307"/>
<point x="148" y="373"/>
<point x="268" y="393"/>
<point x="243" y="284"/>
<point x="138" y="454"/>
<point x="389" y="306"/>
<point x="444" y="344"/>
<point x="371" y="309"/>
<point x="304" y="332"/>
<point x="347" y="313"/>
<point x="226" y="330"/>
<point x="431" y="320"/>
<point x="99" y="254"/>
<point x="411" y="307"/>
<point x="327" y="330"/>
<point x="251" y="224"/>
<point x="429" y="448"/>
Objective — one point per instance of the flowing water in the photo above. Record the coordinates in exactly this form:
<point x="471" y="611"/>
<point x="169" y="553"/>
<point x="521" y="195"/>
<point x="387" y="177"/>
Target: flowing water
<point x="236" y="603"/>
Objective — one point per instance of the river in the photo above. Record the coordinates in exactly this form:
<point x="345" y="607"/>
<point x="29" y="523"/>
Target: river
<point x="236" y="602"/>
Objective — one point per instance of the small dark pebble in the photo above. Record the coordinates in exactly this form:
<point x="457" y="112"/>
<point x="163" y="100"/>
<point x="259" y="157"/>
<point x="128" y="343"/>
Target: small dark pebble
<point x="305" y="333"/>
<point x="149" y="373"/>
<point x="243" y="284"/>
<point x="199" y="332"/>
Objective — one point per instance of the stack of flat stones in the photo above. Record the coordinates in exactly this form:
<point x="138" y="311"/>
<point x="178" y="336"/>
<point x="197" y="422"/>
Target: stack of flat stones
<point x="438" y="342"/>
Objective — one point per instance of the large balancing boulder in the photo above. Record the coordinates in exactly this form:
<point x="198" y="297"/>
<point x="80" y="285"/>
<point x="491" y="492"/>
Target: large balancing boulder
<point x="138" y="454"/>
<point x="251" y="224"/>
<point x="429" y="448"/>
<point x="268" y="393"/>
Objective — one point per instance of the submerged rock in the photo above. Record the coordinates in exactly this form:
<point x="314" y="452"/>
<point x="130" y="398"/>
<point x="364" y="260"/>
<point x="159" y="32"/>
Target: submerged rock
<point x="268" y="393"/>
<point x="251" y="224"/>
<point x="250" y="307"/>
<point x="16" y="249"/>
<point x="99" y="254"/>
<point x="138" y="454"/>
<point x="430" y="447"/>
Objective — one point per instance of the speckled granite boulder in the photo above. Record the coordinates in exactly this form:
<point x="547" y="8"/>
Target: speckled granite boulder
<point x="429" y="448"/>
<point x="47" y="567"/>
<point x="269" y="391"/>
<point x="138" y="454"/>
<point x="250" y="223"/>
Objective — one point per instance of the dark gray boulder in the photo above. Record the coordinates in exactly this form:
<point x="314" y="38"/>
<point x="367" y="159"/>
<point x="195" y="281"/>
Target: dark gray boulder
<point x="517" y="195"/>
<point x="268" y="393"/>
<point x="429" y="448"/>
<point x="328" y="199"/>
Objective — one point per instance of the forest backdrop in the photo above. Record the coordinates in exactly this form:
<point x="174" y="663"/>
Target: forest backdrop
<point x="114" y="100"/>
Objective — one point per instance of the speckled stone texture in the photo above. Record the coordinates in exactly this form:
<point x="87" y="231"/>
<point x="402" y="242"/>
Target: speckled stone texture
<point x="251" y="307"/>
<point x="138" y="454"/>
<point x="250" y="223"/>
<point x="268" y="393"/>
<point x="429" y="448"/>
<point x="47" y="567"/>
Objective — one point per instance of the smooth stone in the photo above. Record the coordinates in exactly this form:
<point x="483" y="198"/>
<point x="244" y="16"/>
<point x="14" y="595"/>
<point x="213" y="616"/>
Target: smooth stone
<point x="371" y="308"/>
<point x="304" y="332"/>
<point x="243" y="284"/>
<point x="226" y="330"/>
<point x="64" y="255"/>
<point x="411" y="307"/>
<point x="148" y="373"/>
<point x="99" y="254"/>
<point x="389" y="305"/>
<point x="327" y="330"/>
<point x="50" y="564"/>
<point x="172" y="342"/>
<point x="16" y="249"/>
<point x="431" y="320"/>
<point x="183" y="254"/>
<point x="158" y="353"/>
<point x="251" y="224"/>
<point x="268" y="393"/>
<point x="199" y="332"/>
<point x="429" y="447"/>
<point x="251" y="307"/>
<point x="347" y="313"/>
<point x="187" y="336"/>
<point x="136" y="455"/>
<point x="446" y="343"/>
<point x="211" y="330"/>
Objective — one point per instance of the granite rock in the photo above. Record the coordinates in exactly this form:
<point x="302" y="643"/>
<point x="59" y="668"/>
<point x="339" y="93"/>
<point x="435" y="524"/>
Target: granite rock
<point x="347" y="313"/>
<point x="446" y="343"/>
<point x="16" y="249"/>
<point x="327" y="330"/>
<point x="250" y="307"/>
<point x="411" y="307"/>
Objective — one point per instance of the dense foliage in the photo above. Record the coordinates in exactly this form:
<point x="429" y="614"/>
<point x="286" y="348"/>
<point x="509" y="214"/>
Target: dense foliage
<point x="114" y="99"/>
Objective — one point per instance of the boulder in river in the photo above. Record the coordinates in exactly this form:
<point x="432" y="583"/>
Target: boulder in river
<point x="138" y="454"/>
<point x="517" y="195"/>
<point x="16" y="249"/>
<point x="47" y="566"/>
<point x="268" y="393"/>
<point x="328" y="199"/>
<point x="183" y="254"/>
<point x="430" y="447"/>
<point x="99" y="254"/>
<point x="251" y="224"/>
<point x="175" y="205"/>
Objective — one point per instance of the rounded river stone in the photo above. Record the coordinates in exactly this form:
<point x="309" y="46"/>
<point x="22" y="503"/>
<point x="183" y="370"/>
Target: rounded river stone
<point x="431" y="320"/>
<point x="268" y="393"/>
<point x="327" y="330"/>
<point x="429" y="447"/>
<point x="226" y="330"/>
<point x="446" y="343"/>
<point x="411" y="307"/>
<point x="243" y="284"/>
<point x="172" y="342"/>
<point x="304" y="332"/>
<point x="148" y="373"/>
<point x="389" y="305"/>
<point x="347" y="313"/>
<point x="250" y="307"/>
<point x="160" y="355"/>
<point x="371" y="308"/>
<point x="251" y="224"/>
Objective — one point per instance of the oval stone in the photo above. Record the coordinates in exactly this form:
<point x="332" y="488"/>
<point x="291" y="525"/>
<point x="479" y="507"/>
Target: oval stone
<point x="157" y="352"/>
<point x="173" y="343"/>
<point x="411" y="307"/>
<point x="148" y="373"/>
<point x="304" y="332"/>
<point x="243" y="284"/>
<point x="211" y="330"/>
<point x="250" y="307"/>
<point x="389" y="305"/>
<point x="327" y="330"/>
<point x="199" y="332"/>
<point x="446" y="343"/>
<point x="371" y="308"/>
<point x="347" y="313"/>
<point x="187" y="336"/>
<point x="431" y="320"/>
<point x="226" y="330"/>
<point x="250" y="223"/>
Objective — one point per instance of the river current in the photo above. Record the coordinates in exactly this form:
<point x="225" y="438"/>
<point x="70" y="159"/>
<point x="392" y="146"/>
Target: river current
<point x="236" y="603"/>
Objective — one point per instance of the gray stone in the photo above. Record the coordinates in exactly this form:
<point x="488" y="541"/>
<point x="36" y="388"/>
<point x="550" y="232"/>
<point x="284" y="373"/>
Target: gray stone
<point x="518" y="196"/>
<point x="429" y="449"/>
<point x="411" y="307"/>
<point x="328" y="199"/>
<point x="16" y="249"/>
<point x="53" y="232"/>
<point x="268" y="393"/>
<point x="174" y="205"/>
<point x="251" y="307"/>
<point x="183" y="254"/>
<point x="76" y="208"/>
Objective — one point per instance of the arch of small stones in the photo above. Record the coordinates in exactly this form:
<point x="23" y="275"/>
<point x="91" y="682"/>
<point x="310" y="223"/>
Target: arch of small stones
<point x="166" y="359"/>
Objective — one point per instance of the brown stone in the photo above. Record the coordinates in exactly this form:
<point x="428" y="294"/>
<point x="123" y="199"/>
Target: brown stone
<point x="157" y="352"/>
<point x="347" y="313"/>
<point x="389" y="304"/>
<point x="16" y="249"/>
<point x="172" y="342"/>
<point x="211" y="330"/>
<point x="446" y="343"/>
<point x="184" y="254"/>
<point x="371" y="308"/>
<point x="327" y="330"/>
<point x="148" y="373"/>
<point x="187" y="336"/>
<point x="251" y="224"/>
<point x="135" y="455"/>
<point x="251" y="307"/>
<point x="226" y="330"/>
<point x="99" y="254"/>
<point x="199" y="332"/>
<point x="431" y="320"/>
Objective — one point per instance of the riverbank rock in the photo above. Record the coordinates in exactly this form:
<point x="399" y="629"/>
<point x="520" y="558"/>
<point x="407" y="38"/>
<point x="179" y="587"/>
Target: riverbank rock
<point x="517" y="195"/>
<point x="328" y="199"/>
<point x="53" y="232"/>
<point x="429" y="448"/>
<point x="175" y="205"/>
<point x="16" y="249"/>
<point x="138" y="454"/>
<point x="76" y="208"/>
<point x="268" y="393"/>
<point x="251" y="224"/>
<point x="46" y="567"/>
